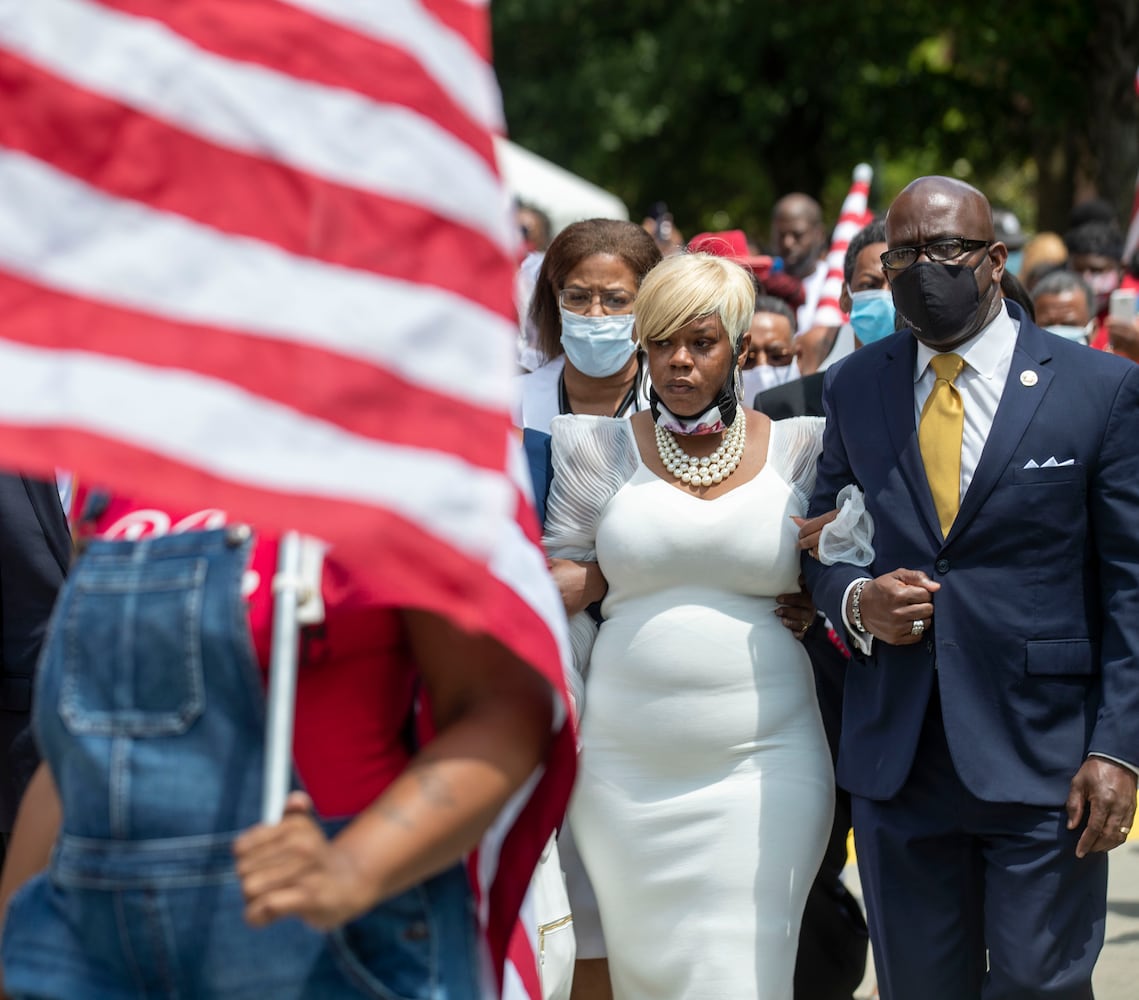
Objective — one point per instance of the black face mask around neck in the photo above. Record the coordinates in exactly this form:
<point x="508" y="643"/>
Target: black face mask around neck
<point x="939" y="301"/>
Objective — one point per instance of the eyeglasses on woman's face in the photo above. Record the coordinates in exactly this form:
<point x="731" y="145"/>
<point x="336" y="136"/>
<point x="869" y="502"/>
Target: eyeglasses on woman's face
<point x="579" y="300"/>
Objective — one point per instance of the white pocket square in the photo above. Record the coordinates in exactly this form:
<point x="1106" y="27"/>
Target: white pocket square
<point x="1051" y="463"/>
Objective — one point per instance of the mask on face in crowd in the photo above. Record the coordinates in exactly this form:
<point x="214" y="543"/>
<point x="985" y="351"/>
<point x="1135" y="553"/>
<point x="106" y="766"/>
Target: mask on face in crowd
<point x="872" y="314"/>
<point x="763" y="377"/>
<point x="1080" y="334"/>
<point x="598" y="345"/>
<point x="938" y="300"/>
<point x="1103" y="283"/>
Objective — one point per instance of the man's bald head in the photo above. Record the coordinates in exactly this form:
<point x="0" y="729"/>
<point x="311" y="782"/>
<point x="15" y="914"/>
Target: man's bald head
<point x="798" y="234"/>
<point x="934" y="196"/>
<point x="798" y="205"/>
<point x="950" y="296"/>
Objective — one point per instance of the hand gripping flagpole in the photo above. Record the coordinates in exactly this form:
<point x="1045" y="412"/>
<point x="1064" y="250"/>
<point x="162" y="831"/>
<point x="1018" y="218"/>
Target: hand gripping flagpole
<point x="296" y="596"/>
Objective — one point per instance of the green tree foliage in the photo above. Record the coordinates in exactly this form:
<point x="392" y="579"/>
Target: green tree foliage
<point x="720" y="106"/>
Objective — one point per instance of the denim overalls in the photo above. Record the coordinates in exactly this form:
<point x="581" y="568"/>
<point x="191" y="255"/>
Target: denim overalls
<point x="149" y="710"/>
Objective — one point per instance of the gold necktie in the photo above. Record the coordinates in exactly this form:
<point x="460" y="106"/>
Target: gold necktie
<point x="940" y="431"/>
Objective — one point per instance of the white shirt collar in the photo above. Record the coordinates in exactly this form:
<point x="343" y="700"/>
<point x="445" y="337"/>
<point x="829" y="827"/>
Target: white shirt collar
<point x="983" y="352"/>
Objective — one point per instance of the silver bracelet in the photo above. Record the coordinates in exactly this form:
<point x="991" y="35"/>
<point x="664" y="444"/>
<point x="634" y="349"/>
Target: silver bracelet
<point x="856" y="607"/>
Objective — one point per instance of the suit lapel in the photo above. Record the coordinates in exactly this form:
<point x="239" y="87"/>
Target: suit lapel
<point x="896" y="388"/>
<point x="1020" y="398"/>
<point x="45" y="504"/>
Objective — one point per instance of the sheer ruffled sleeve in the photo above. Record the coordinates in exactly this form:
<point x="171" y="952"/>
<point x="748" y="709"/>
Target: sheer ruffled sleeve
<point x="794" y="452"/>
<point x="795" y="448"/>
<point x="849" y="537"/>
<point x="593" y="457"/>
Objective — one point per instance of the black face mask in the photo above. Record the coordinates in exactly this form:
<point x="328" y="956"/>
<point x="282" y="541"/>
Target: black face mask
<point x="940" y="301"/>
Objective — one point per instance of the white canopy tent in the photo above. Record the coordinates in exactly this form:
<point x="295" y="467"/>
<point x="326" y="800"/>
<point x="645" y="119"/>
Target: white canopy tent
<point x="563" y="196"/>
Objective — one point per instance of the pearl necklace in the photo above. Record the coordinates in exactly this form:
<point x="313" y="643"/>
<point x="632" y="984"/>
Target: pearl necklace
<point x="711" y="469"/>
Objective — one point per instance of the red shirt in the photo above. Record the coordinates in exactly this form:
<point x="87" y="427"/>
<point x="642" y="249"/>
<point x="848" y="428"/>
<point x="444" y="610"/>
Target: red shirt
<point x="356" y="683"/>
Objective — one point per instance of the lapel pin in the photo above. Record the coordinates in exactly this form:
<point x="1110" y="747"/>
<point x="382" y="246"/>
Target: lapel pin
<point x="1028" y="377"/>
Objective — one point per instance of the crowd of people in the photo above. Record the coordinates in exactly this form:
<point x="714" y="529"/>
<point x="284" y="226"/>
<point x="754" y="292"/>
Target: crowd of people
<point x="969" y="676"/>
<point x="882" y="574"/>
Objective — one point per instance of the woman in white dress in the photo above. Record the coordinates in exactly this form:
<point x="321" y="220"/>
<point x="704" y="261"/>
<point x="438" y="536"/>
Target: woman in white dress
<point x="705" y="787"/>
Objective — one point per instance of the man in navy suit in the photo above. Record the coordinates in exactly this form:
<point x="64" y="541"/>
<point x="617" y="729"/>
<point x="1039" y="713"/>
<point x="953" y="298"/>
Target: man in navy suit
<point x="35" y="549"/>
<point x="991" y="712"/>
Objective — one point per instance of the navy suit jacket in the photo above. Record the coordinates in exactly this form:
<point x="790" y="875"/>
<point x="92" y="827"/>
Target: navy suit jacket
<point x="1035" y="633"/>
<point x="35" y="549"/>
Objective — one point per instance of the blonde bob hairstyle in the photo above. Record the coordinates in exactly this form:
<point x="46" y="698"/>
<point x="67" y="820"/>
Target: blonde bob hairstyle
<point x="686" y="286"/>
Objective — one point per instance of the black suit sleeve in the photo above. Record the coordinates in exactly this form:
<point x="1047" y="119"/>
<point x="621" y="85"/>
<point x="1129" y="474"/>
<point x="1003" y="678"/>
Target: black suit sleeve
<point x="33" y="547"/>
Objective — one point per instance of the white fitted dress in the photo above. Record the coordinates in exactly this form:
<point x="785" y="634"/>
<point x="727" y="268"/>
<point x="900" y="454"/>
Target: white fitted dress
<point x="705" y="789"/>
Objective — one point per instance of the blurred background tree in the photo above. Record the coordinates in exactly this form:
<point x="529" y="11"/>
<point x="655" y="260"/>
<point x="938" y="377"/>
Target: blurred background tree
<point x="718" y="107"/>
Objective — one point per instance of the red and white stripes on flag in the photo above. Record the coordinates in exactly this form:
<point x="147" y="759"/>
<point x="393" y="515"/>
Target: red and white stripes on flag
<point x="256" y="254"/>
<point x="851" y="219"/>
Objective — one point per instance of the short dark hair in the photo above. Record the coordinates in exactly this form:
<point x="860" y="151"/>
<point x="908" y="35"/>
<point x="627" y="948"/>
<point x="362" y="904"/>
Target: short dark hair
<point x="1103" y="239"/>
<point x="570" y="247"/>
<point x="1062" y="281"/>
<point x="872" y="232"/>
<point x="772" y="304"/>
<point x="1091" y="210"/>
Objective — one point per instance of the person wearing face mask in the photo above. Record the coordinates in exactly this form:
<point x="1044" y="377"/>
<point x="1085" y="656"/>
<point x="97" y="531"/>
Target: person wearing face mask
<point x="1065" y="306"/>
<point x="833" y="937"/>
<point x="866" y="297"/>
<point x="706" y="786"/>
<point x="1095" y="253"/>
<point x="771" y="354"/>
<point x="583" y="311"/>
<point x="865" y="292"/>
<point x="989" y="739"/>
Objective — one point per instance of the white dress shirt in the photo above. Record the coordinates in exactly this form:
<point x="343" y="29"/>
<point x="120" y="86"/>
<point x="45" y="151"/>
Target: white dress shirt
<point x="988" y="357"/>
<point x="812" y="292"/>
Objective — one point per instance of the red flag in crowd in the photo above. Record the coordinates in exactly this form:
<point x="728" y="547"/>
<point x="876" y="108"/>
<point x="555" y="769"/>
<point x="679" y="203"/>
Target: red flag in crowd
<point x="255" y="254"/>
<point x="853" y="216"/>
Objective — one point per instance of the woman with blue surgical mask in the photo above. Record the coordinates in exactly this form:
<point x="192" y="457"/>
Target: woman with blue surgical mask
<point x="583" y="309"/>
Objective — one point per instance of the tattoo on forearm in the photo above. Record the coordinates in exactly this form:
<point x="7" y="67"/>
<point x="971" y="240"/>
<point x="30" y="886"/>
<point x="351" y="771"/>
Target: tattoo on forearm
<point x="395" y="815"/>
<point x="435" y="788"/>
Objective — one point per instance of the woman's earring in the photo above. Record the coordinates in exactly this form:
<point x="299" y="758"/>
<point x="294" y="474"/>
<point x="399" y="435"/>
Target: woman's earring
<point x="738" y="385"/>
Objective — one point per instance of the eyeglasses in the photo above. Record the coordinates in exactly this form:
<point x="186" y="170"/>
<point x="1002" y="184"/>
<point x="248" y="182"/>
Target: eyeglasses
<point x="939" y="251"/>
<point x="776" y="359"/>
<point x="580" y="299"/>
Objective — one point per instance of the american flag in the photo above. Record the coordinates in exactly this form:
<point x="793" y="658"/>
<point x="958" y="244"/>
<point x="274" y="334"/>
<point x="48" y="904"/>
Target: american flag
<point x="257" y="254"/>
<point x="853" y="216"/>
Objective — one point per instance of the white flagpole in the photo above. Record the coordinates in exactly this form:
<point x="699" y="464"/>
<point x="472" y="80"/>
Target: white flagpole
<point x="283" y="659"/>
